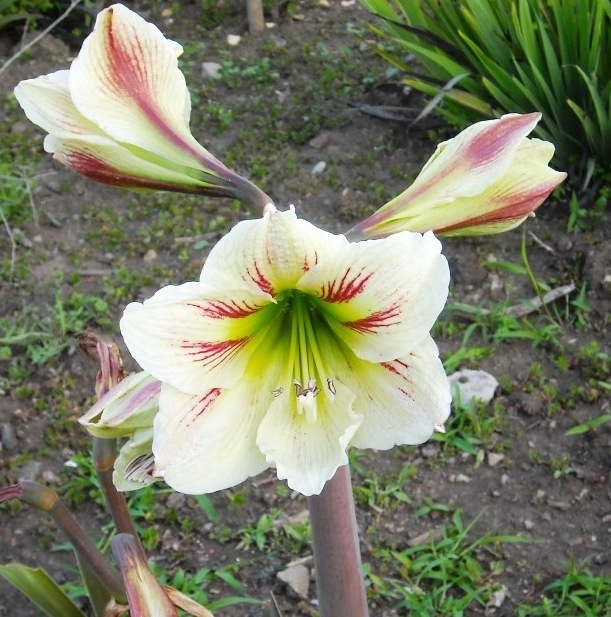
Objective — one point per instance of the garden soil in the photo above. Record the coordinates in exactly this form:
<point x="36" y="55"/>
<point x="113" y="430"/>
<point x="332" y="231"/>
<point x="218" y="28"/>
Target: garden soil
<point x="525" y="477"/>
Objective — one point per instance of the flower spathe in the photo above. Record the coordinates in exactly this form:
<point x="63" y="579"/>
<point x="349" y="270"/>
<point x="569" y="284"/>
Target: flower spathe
<point x="120" y="115"/>
<point x="293" y="345"/>
<point x="486" y="180"/>
<point x="128" y="410"/>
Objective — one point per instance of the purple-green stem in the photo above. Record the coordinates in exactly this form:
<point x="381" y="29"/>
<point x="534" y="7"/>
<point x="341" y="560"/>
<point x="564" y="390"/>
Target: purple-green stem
<point x="47" y="500"/>
<point x="104" y="455"/>
<point x="337" y="556"/>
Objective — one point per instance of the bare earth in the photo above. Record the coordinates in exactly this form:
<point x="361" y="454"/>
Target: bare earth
<point x="545" y="486"/>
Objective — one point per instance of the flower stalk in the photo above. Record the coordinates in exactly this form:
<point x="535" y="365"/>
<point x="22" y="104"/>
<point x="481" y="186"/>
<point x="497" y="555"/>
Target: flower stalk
<point x="47" y="500"/>
<point x="337" y="557"/>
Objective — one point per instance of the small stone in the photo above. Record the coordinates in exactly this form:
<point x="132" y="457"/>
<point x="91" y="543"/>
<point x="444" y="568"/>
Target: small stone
<point x="497" y="599"/>
<point x="459" y="478"/>
<point x="211" y="70"/>
<point x="528" y="524"/>
<point x="297" y="579"/>
<point x="471" y="385"/>
<point x="423" y="538"/>
<point x="233" y="39"/>
<point x="7" y="436"/>
<point x="606" y="518"/>
<point x="565" y="506"/>
<point x="150" y="255"/>
<point x="348" y="3"/>
<point x="30" y="471"/>
<point x="576" y="542"/>
<point x="504" y="479"/>
<point x="429" y="451"/>
<point x="319" y="141"/>
<point x="50" y="477"/>
<point x="494" y="459"/>
<point x="319" y="168"/>
<point x="325" y="4"/>
<point x="175" y="500"/>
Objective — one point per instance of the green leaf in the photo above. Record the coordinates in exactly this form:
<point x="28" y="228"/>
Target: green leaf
<point x="41" y="589"/>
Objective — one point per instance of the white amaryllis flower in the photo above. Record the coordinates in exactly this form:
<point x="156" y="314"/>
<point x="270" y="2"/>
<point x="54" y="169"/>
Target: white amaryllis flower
<point x="120" y="115"/>
<point x="486" y="180"/>
<point x="293" y="345"/>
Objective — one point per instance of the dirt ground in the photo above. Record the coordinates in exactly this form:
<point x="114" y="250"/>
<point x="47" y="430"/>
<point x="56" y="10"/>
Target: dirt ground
<point x="546" y="486"/>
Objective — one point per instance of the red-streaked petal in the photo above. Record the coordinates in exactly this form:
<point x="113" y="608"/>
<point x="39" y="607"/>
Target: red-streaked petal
<point x="401" y="401"/>
<point x="126" y="80"/>
<point x="205" y="443"/>
<point x="194" y="337"/>
<point x="381" y="297"/>
<point x="272" y="253"/>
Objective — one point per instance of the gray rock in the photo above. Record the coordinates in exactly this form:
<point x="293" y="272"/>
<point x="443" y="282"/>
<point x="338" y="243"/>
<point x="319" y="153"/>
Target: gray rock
<point x="297" y="579"/>
<point x="473" y="385"/>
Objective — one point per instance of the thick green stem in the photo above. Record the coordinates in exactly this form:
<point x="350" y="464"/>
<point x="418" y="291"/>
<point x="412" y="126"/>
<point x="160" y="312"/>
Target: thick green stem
<point x="337" y="557"/>
<point x="104" y="455"/>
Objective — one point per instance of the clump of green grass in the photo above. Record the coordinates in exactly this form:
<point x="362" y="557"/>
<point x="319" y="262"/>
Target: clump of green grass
<point x="448" y="575"/>
<point x="578" y="593"/>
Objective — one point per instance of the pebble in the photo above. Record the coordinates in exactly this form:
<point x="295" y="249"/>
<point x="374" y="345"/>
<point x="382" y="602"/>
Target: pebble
<point x="211" y="70"/>
<point x="297" y="578"/>
<point x="473" y="385"/>
<point x="319" y="141"/>
<point x="30" y="471"/>
<point x="565" y="506"/>
<point x="528" y="524"/>
<point x="50" y="477"/>
<point x="233" y="39"/>
<point x="459" y="478"/>
<point x="7" y="436"/>
<point x="429" y="451"/>
<point x="494" y="459"/>
<point x="150" y="255"/>
<point x="319" y="168"/>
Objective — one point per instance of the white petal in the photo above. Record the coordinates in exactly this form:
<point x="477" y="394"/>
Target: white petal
<point x="382" y="297"/>
<point x="272" y="252"/>
<point x="46" y="102"/>
<point x="127" y="81"/>
<point x="206" y="443"/>
<point x="401" y="401"/>
<point x="195" y="338"/>
<point x="307" y="454"/>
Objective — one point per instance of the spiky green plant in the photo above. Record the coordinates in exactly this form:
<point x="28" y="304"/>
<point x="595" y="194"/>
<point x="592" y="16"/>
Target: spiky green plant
<point x="488" y="57"/>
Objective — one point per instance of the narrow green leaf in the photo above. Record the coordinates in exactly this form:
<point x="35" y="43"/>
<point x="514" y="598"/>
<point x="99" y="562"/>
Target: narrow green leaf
<point x="41" y="589"/>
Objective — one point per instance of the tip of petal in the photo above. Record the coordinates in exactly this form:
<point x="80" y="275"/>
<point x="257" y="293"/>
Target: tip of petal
<point x="439" y="428"/>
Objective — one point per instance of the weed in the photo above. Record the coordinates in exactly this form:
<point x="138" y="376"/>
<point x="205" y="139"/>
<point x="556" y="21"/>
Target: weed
<point x="381" y="493"/>
<point x="578" y="593"/>
<point x="445" y="576"/>
<point x="42" y="337"/>
<point x="258" y="534"/>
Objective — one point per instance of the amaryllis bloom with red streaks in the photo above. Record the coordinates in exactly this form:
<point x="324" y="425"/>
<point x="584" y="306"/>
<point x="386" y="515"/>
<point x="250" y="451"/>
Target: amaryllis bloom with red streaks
<point x="486" y="180"/>
<point x="120" y="115"/>
<point x="293" y="345"/>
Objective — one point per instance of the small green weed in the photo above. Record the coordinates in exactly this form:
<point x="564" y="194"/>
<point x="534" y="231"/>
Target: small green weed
<point x="579" y="593"/>
<point x="194" y="586"/>
<point x="446" y="576"/>
<point x="381" y="493"/>
<point x="42" y="337"/>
